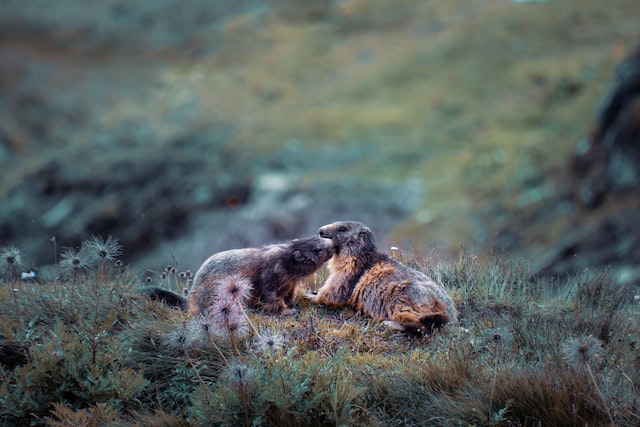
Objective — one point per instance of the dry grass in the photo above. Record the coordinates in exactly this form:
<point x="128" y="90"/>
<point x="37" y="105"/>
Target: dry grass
<point x="116" y="359"/>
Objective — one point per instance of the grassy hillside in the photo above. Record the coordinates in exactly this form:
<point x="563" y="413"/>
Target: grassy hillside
<point x="477" y="102"/>
<point x="88" y="349"/>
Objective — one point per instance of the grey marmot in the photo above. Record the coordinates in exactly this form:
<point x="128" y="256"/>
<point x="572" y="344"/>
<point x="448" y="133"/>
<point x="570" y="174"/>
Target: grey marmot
<point x="379" y="286"/>
<point x="274" y="270"/>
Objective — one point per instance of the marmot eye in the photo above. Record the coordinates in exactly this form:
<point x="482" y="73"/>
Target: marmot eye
<point x="342" y="228"/>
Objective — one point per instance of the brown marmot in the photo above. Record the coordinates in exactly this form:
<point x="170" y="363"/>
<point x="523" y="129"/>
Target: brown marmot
<point x="378" y="285"/>
<point x="274" y="271"/>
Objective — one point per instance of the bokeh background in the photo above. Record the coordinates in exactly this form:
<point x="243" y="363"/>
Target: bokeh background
<point x="185" y="128"/>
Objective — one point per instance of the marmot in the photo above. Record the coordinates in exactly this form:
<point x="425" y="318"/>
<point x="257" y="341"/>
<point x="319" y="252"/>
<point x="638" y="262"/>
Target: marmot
<point x="166" y="296"/>
<point x="274" y="271"/>
<point x="378" y="285"/>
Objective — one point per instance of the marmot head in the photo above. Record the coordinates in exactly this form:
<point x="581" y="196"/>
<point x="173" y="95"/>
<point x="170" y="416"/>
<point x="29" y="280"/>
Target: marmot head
<point x="307" y="255"/>
<point x="349" y="237"/>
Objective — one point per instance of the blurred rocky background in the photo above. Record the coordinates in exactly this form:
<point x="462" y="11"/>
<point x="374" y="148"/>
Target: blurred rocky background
<point x="184" y="128"/>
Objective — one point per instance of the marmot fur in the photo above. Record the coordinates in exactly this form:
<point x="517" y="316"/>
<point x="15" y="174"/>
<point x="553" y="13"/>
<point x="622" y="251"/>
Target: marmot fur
<point x="378" y="285"/>
<point x="170" y="298"/>
<point x="274" y="271"/>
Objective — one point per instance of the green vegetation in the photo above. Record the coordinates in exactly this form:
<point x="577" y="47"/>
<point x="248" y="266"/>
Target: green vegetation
<point x="476" y="100"/>
<point x="86" y="348"/>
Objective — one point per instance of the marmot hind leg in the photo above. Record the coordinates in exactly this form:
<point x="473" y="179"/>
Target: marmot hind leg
<point x="421" y="320"/>
<point x="278" y="306"/>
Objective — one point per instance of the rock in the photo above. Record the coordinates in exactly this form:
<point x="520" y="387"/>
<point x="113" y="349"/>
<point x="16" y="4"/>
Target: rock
<point x="606" y="177"/>
<point x="139" y="191"/>
<point x="609" y="161"/>
<point x="591" y="219"/>
<point x="611" y="242"/>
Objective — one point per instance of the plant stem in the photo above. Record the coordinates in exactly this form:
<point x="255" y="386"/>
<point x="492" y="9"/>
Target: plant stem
<point x="595" y="384"/>
<point x="232" y="338"/>
<point x="71" y="296"/>
<point x="186" y="354"/>
<point x="243" y="398"/>
<point x="218" y="349"/>
<point x="23" y="340"/>
<point x="253" y="327"/>
<point x="495" y="378"/>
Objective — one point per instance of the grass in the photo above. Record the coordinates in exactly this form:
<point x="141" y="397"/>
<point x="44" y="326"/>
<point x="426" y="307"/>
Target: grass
<point x="90" y="350"/>
<point x="461" y="96"/>
<point x="475" y="100"/>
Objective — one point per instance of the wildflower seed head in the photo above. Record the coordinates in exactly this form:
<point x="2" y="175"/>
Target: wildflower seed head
<point x="74" y="261"/>
<point x="180" y="340"/>
<point x="235" y="288"/>
<point x="239" y="328"/>
<point x="581" y="351"/>
<point x="101" y="249"/>
<point x="226" y="318"/>
<point x="269" y="343"/>
<point x="238" y="375"/>
<point x="11" y="258"/>
<point x="201" y="328"/>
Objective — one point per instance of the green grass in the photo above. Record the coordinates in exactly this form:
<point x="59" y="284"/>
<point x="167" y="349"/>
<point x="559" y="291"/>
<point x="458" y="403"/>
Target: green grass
<point x="473" y="99"/>
<point x="90" y="350"/>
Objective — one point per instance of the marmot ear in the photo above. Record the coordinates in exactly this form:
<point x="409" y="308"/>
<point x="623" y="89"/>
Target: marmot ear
<point x="297" y="255"/>
<point x="365" y="230"/>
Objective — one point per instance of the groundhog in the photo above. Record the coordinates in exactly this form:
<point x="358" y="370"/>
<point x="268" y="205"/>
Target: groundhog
<point x="274" y="271"/>
<point x="380" y="286"/>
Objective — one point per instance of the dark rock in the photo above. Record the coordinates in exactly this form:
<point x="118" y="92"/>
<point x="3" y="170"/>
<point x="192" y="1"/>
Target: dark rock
<point x="612" y="241"/>
<point x="609" y="161"/>
<point x="591" y="220"/>
<point x="138" y="191"/>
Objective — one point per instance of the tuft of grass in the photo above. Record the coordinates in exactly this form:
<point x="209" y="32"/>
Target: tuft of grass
<point x="90" y="349"/>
